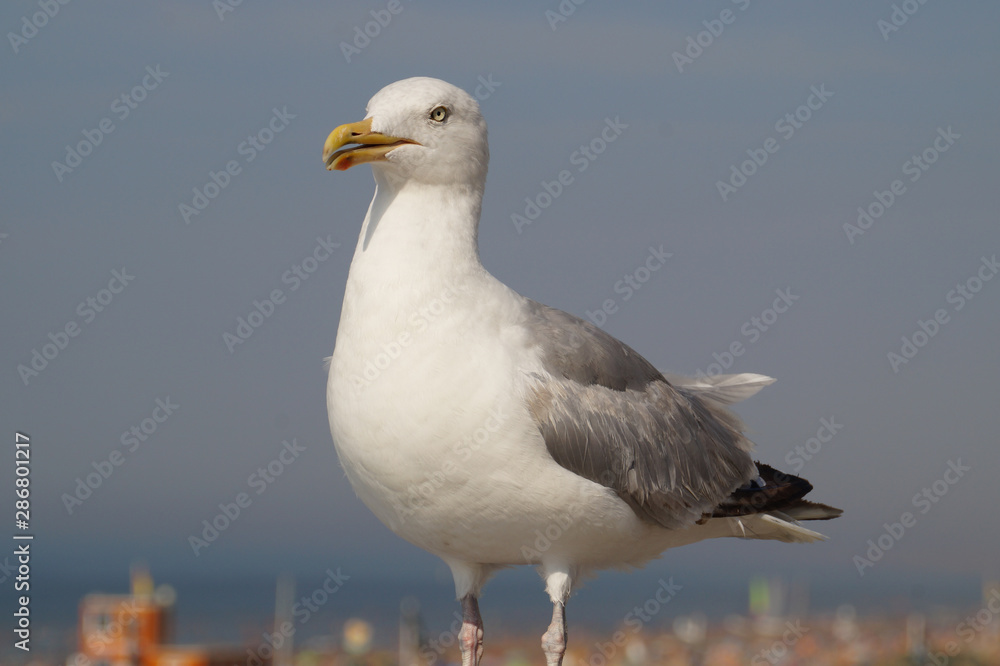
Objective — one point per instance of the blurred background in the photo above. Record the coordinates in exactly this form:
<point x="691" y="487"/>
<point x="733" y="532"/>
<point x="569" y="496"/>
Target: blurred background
<point x="823" y="176"/>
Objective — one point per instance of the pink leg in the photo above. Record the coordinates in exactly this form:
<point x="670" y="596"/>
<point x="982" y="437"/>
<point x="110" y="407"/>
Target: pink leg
<point x="554" y="640"/>
<point x="470" y="638"/>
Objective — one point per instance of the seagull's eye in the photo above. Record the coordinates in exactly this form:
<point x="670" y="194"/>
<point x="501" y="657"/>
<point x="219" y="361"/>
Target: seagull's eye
<point x="439" y="114"/>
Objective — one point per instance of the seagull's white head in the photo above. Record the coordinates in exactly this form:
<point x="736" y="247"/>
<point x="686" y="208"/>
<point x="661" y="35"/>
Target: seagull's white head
<point x="419" y="129"/>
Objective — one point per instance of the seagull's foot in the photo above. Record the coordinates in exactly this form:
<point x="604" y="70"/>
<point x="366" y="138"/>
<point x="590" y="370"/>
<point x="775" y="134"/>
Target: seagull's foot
<point x="470" y="638"/>
<point x="554" y="640"/>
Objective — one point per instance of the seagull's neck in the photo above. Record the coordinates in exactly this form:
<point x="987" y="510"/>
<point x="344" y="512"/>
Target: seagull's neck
<point x="416" y="259"/>
<point x="419" y="236"/>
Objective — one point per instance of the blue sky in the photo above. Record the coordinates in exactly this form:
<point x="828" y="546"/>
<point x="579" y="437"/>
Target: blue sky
<point x="831" y="104"/>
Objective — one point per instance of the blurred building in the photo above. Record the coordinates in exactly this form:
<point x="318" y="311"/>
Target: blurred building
<point x="136" y="629"/>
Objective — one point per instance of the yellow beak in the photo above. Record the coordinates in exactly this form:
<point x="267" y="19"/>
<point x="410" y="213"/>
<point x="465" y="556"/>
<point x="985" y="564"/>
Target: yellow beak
<point x="372" y="146"/>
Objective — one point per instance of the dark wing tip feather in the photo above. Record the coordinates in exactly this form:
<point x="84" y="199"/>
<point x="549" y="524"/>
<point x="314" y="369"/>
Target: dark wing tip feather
<point x="779" y="492"/>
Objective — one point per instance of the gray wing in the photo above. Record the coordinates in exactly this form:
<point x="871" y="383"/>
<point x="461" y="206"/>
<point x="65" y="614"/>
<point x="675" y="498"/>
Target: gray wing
<point x="608" y="415"/>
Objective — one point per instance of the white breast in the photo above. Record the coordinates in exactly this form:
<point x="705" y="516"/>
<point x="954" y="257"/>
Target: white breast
<point x="426" y="406"/>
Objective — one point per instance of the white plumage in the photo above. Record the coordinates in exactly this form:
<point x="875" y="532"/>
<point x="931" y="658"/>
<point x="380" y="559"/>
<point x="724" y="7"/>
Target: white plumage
<point x="465" y="415"/>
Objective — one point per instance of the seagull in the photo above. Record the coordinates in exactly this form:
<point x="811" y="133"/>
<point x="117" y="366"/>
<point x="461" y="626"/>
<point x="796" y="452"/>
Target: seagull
<point x="492" y="430"/>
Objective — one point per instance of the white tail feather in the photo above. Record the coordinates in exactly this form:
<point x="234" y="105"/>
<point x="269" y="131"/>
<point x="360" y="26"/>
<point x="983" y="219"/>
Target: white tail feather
<point x="772" y="526"/>
<point x="723" y="389"/>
